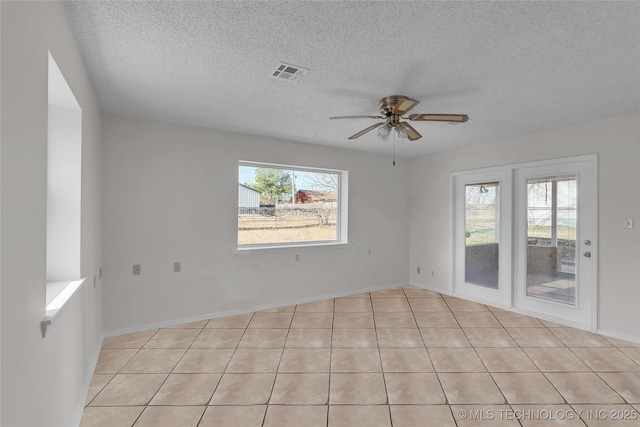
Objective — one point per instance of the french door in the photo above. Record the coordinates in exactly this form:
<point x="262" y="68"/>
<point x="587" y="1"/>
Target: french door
<point x="525" y="238"/>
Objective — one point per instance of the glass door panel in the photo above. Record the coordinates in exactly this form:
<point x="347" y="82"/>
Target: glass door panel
<point x="482" y="231"/>
<point x="551" y="238"/>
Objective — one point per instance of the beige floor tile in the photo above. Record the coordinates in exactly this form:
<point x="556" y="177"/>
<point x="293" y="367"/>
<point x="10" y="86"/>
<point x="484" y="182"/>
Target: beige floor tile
<point x="129" y="390"/>
<point x="353" y="320"/>
<point x="300" y="360"/>
<point x="550" y="324"/>
<point x="417" y="415"/>
<point x="263" y="338"/>
<point x="366" y="295"/>
<point x="254" y="361"/>
<point x="428" y="304"/>
<point x="296" y="416"/>
<point x="186" y="389"/>
<point x="110" y="416"/>
<point x="111" y="361"/>
<point x="506" y="360"/>
<point x="632" y="353"/>
<point x="413" y="389"/>
<point x="534" y="337"/>
<point x="484" y="415"/>
<point x="456" y="360"/>
<point x="355" y="415"/>
<point x="627" y="384"/>
<point x="605" y="359"/>
<point x="301" y="389"/>
<point x="236" y="416"/>
<point x="218" y="338"/>
<point x="470" y="388"/>
<point x="602" y="415"/>
<point x="193" y="325"/>
<point x="355" y="360"/>
<point x="391" y="337"/>
<point x="173" y="338"/>
<point x="240" y="321"/>
<point x="308" y="338"/>
<point x="98" y="381"/>
<point x="421" y="293"/>
<point x="405" y="360"/>
<point x="353" y="305"/>
<point x="282" y="309"/>
<point x="153" y="361"/>
<point x="271" y="320"/>
<point x="439" y="319"/>
<point x="170" y="416"/>
<point x="136" y="340"/>
<point x="354" y="338"/>
<point x="243" y="389"/>
<point x="547" y="415"/>
<point x="583" y="387"/>
<point x="203" y="361"/>
<point x="357" y="389"/>
<point x="489" y="337"/>
<point x="312" y="320"/>
<point x="516" y="320"/>
<point x="458" y="305"/>
<point x="572" y="337"/>
<point x="388" y="293"/>
<point x="390" y="305"/>
<point x="476" y="319"/>
<point x="323" y="306"/>
<point x="394" y="320"/>
<point x="556" y="360"/>
<point x="527" y="387"/>
<point x="444" y="337"/>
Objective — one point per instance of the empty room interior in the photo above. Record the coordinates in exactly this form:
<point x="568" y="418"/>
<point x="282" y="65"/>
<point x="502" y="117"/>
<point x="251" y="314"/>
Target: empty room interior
<point x="239" y="213"/>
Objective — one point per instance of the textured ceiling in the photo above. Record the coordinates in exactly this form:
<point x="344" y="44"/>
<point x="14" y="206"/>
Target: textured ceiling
<point x="513" y="67"/>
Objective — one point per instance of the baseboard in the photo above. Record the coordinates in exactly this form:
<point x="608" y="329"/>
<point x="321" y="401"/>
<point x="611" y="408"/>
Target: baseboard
<point x="430" y="288"/>
<point x="623" y="337"/>
<point x="208" y="316"/>
<point x="77" y="415"/>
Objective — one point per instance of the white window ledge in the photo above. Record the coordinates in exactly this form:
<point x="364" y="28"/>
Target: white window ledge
<point x="58" y="293"/>
<point x="250" y="250"/>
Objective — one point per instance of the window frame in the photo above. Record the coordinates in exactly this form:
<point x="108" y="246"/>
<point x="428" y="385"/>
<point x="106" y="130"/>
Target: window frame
<point x="341" y="214"/>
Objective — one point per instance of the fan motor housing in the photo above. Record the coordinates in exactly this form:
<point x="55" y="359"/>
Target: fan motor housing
<point x="388" y="103"/>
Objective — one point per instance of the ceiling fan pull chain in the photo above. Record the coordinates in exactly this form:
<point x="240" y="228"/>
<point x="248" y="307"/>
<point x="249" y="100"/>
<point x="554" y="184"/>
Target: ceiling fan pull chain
<point x="394" y="151"/>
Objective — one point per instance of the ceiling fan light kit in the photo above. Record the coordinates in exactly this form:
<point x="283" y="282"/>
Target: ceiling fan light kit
<point x="392" y="109"/>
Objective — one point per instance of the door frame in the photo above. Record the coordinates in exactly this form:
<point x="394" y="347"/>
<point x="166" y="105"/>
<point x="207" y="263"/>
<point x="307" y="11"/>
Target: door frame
<point x="592" y="160"/>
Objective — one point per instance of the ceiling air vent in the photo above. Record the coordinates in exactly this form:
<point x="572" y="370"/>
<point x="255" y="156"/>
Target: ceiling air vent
<point x="289" y="72"/>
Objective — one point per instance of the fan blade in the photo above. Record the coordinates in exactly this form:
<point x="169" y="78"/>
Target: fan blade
<point x="413" y="134"/>
<point x="357" y="117"/>
<point x="459" y="118"/>
<point x="405" y="104"/>
<point x="362" y="132"/>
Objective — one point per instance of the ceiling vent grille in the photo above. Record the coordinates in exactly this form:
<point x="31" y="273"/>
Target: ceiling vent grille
<point x="288" y="72"/>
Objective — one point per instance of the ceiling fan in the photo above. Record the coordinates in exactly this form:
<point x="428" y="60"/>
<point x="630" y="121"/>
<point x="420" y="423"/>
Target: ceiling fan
<point x="392" y="109"/>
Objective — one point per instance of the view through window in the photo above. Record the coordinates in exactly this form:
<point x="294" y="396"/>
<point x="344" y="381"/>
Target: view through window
<point x="282" y="204"/>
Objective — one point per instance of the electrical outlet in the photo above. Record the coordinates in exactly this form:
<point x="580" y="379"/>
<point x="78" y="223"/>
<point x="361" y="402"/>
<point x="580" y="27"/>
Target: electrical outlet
<point x="297" y="257"/>
<point x="629" y="223"/>
<point x="176" y="267"/>
<point x="369" y="251"/>
<point x="418" y="270"/>
<point x="433" y="273"/>
<point x="136" y="269"/>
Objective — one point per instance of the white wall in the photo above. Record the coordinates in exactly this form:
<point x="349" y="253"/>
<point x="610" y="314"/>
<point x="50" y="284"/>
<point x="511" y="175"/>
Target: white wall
<point x="617" y="142"/>
<point x="43" y="379"/>
<point x="170" y="194"/>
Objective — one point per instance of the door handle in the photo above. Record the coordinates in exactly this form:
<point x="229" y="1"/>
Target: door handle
<point x="587" y="242"/>
<point x="587" y="254"/>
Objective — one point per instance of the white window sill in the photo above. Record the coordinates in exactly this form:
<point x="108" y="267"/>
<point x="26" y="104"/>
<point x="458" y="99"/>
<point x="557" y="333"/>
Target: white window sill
<point x="58" y="293"/>
<point x="315" y="246"/>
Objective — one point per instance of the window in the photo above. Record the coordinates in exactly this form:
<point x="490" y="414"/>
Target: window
<point x="64" y="174"/>
<point x="282" y="205"/>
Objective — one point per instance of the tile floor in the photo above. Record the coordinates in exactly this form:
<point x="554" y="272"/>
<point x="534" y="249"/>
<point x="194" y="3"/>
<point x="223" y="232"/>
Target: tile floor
<point x="397" y="357"/>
